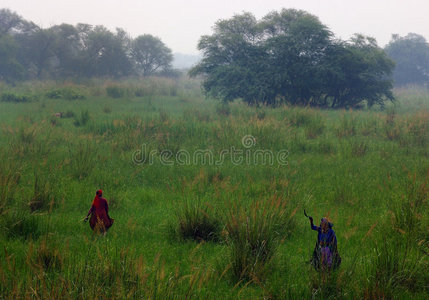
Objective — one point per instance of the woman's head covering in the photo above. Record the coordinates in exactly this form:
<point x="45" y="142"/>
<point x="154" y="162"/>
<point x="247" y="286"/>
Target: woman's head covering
<point x="99" y="193"/>
<point x="323" y="220"/>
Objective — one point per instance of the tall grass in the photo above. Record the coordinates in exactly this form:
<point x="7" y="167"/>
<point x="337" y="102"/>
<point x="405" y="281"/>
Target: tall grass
<point x="198" y="222"/>
<point x="42" y="197"/>
<point x="19" y="224"/>
<point x="353" y="166"/>
<point x="82" y="159"/>
<point x="10" y="175"/>
<point x="253" y="234"/>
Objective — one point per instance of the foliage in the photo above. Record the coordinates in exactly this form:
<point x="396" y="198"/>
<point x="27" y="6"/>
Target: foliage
<point x="197" y="222"/>
<point x="291" y="57"/>
<point x="67" y="93"/>
<point x="20" y="225"/>
<point x="253" y="235"/>
<point x="150" y="55"/>
<point x="42" y="197"/>
<point x="10" y="69"/>
<point x="17" y="98"/>
<point x="83" y="50"/>
<point x="115" y="91"/>
<point x="357" y="71"/>
<point x="411" y="55"/>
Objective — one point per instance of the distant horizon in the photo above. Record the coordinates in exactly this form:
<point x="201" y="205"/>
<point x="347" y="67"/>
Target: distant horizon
<point x="181" y="24"/>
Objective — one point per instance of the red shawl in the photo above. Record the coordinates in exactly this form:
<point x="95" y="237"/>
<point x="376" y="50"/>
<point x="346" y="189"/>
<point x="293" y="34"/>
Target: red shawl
<point x="100" y="219"/>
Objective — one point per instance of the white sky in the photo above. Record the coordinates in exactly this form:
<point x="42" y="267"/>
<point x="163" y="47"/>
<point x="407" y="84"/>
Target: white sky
<point x="180" y="23"/>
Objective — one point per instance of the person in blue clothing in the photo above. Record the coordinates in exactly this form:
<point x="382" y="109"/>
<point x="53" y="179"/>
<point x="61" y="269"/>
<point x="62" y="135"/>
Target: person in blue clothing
<point x="325" y="254"/>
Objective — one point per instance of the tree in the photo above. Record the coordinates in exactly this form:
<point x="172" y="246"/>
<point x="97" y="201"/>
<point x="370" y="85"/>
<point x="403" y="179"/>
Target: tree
<point x="12" y="24"/>
<point x="150" y="55"/>
<point x="10" y="69"/>
<point x="297" y="42"/>
<point x="357" y="71"/>
<point x="411" y="54"/>
<point x="104" y="53"/>
<point x="67" y="50"/>
<point x="291" y="57"/>
<point x="12" y="27"/>
<point x="235" y="63"/>
<point x="37" y="52"/>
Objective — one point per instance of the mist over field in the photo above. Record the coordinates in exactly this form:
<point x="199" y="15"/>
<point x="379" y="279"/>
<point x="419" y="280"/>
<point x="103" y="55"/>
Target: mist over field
<point x="273" y="157"/>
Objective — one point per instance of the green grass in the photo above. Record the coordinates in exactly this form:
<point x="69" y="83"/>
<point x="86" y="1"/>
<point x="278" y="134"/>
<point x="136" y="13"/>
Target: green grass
<point x="205" y="230"/>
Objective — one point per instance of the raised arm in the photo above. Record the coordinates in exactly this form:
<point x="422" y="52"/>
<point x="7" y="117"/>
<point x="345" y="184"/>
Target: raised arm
<point x="312" y="225"/>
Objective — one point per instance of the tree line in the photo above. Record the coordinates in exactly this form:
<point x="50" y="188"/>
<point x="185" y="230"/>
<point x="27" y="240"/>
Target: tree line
<point x="290" y="57"/>
<point x="61" y="51"/>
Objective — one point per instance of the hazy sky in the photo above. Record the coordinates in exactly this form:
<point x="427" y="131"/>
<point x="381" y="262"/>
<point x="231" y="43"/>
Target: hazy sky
<point x="180" y="23"/>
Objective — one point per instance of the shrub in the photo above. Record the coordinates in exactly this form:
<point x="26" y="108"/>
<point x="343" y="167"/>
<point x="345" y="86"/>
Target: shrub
<point x="260" y="114"/>
<point x="359" y="149"/>
<point x="196" y="114"/>
<point x="107" y="109"/>
<point x="326" y="147"/>
<point x="163" y="116"/>
<point x="17" y="98"/>
<point x="115" y="91"/>
<point x="82" y="161"/>
<point x="42" y="194"/>
<point x="197" y="222"/>
<point x="347" y="126"/>
<point x="395" y="264"/>
<point x="20" y="225"/>
<point x="69" y="114"/>
<point x="66" y="93"/>
<point x="9" y="180"/>
<point x="254" y="234"/>
<point x="315" y="128"/>
<point x="140" y="92"/>
<point x="223" y="109"/>
<point x="83" y="119"/>
<point x="46" y="257"/>
<point x="408" y="207"/>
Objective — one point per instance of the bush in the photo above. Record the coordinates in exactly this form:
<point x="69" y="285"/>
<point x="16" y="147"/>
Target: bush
<point x="42" y="194"/>
<point x="66" y="93"/>
<point x="395" y="264"/>
<point x="347" y="126"/>
<point x="115" y="91"/>
<point x="107" y="109"/>
<point x="47" y="257"/>
<point x="326" y="147"/>
<point x="359" y="149"/>
<point x="260" y="114"/>
<point x="82" y="161"/>
<point x="197" y="222"/>
<point x="315" y="128"/>
<point x="407" y="208"/>
<point x="83" y="119"/>
<point x="20" y="225"/>
<point x="254" y="234"/>
<point x="11" y="97"/>
<point x="9" y="180"/>
<point x="163" y="116"/>
<point x="223" y="109"/>
<point x="69" y="114"/>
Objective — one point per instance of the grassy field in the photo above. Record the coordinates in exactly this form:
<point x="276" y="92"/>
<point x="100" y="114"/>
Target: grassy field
<point x="208" y="198"/>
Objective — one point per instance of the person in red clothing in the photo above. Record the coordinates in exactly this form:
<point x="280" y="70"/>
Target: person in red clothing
<point x="100" y="221"/>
